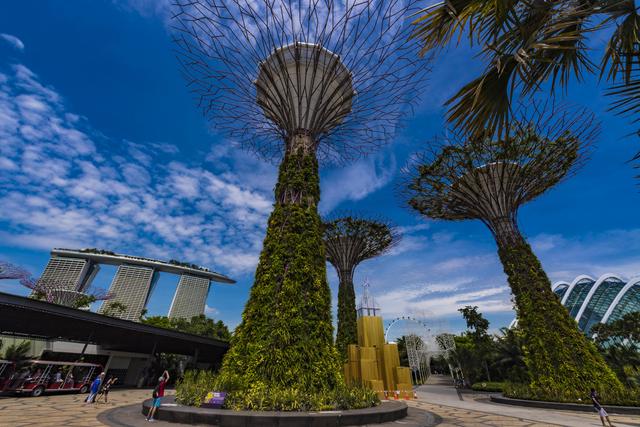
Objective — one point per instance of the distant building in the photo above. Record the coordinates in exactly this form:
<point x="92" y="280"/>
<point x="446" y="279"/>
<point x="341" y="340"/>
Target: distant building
<point x="189" y="299"/>
<point x="603" y="300"/>
<point x="71" y="273"/>
<point x="134" y="280"/>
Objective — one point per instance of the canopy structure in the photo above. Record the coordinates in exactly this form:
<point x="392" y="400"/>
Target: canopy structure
<point x="32" y="318"/>
<point x="303" y="87"/>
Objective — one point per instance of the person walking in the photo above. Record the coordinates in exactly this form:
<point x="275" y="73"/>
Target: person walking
<point x="104" y="392"/>
<point x="95" y="387"/>
<point x="158" y="394"/>
<point x="598" y="407"/>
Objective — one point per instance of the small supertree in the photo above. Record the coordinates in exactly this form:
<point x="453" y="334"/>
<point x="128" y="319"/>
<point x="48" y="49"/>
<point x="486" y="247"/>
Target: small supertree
<point x="52" y="291"/>
<point x="349" y="241"/>
<point x="296" y="81"/>
<point x="486" y="179"/>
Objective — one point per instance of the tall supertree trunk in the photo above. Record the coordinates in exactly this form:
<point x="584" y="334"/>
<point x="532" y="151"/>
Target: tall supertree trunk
<point x="347" y="329"/>
<point x="558" y="356"/>
<point x="285" y="338"/>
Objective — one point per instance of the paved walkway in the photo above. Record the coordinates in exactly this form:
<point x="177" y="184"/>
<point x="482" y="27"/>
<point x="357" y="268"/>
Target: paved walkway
<point x="467" y="409"/>
<point x="68" y="410"/>
<point x="438" y="404"/>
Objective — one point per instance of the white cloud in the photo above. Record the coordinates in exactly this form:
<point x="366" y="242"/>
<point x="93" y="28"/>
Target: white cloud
<point x="211" y="311"/>
<point x="13" y="41"/>
<point x="147" y="8"/>
<point x="69" y="185"/>
<point x="356" y="181"/>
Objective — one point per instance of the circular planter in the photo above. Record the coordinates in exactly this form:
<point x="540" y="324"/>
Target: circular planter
<point x="625" y="410"/>
<point x="172" y="412"/>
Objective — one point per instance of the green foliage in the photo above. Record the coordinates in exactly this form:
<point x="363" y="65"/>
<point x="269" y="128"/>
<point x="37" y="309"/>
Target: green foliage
<point x="83" y="300"/>
<point x="114" y="308"/>
<point x="195" y="385"/>
<point x="285" y="338"/>
<point x="531" y="46"/>
<point x="450" y="182"/>
<point x="560" y="359"/>
<point x="347" y="327"/>
<point x="619" y="342"/>
<point x="18" y="353"/>
<point x="626" y="329"/>
<point x="478" y="327"/>
<point x="488" y="386"/>
<point x="197" y="325"/>
<point x="508" y="358"/>
<point x="552" y="393"/>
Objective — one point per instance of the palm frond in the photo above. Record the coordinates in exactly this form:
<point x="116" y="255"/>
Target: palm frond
<point x="622" y="50"/>
<point x="439" y="23"/>
<point x="484" y="103"/>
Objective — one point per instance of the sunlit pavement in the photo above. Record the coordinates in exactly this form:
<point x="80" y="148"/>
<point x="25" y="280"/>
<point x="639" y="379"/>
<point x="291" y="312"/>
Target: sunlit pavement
<point x="68" y="410"/>
<point x="437" y="404"/>
<point x="475" y="409"/>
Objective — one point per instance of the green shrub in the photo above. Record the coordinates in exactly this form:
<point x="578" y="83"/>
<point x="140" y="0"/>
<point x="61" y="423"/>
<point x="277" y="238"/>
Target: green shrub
<point x="195" y="385"/>
<point x="624" y="397"/>
<point x="488" y="386"/>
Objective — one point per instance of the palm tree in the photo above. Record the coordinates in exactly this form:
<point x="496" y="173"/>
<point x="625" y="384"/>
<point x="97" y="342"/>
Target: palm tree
<point x="528" y="45"/>
<point x="17" y="353"/>
<point x="509" y="358"/>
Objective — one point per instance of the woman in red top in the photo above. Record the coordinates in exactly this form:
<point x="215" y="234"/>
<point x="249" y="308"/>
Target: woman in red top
<point x="158" y="394"/>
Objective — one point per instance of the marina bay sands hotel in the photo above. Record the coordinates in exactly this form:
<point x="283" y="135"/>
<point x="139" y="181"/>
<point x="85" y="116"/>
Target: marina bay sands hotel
<point x="134" y="280"/>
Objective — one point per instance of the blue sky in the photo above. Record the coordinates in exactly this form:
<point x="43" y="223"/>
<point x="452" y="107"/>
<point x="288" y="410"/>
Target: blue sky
<point x="102" y="146"/>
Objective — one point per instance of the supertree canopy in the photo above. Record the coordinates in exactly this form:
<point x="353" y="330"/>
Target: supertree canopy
<point x="300" y="81"/>
<point x="52" y="291"/>
<point x="349" y="241"/>
<point x="486" y="179"/>
<point x="340" y="72"/>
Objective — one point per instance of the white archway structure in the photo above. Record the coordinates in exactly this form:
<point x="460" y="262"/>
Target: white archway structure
<point x="573" y="285"/>
<point x="593" y="290"/>
<point x="557" y="285"/>
<point x="635" y="281"/>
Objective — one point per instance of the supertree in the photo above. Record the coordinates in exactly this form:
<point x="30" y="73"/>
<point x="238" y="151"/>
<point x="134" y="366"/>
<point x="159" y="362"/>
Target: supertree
<point x="349" y="241"/>
<point x="52" y="291"/>
<point x="301" y="81"/>
<point x="488" y="179"/>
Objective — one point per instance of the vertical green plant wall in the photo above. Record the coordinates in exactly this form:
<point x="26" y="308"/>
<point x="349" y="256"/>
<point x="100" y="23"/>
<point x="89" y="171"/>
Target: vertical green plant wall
<point x="285" y="338"/>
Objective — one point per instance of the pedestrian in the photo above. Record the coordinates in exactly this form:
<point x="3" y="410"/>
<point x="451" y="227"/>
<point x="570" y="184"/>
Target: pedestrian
<point x="158" y="394"/>
<point x="95" y="387"/>
<point x="104" y="392"/>
<point x="598" y="407"/>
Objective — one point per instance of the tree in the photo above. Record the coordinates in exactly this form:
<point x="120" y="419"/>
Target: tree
<point x="478" y="327"/>
<point x="529" y="46"/>
<point x="114" y="308"/>
<point x="18" y="353"/>
<point x="295" y="82"/>
<point x="197" y="325"/>
<point x="348" y="242"/>
<point x="486" y="179"/>
<point x="509" y="357"/>
<point x="619" y="342"/>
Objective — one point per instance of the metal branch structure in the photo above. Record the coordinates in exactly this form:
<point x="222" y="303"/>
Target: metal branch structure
<point x="348" y="242"/>
<point x="338" y="72"/>
<point x="486" y="179"/>
<point x="52" y="291"/>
